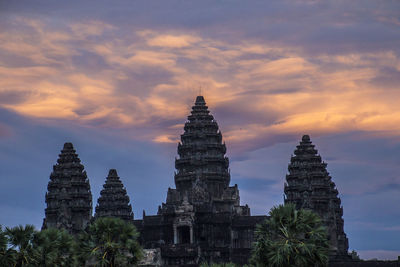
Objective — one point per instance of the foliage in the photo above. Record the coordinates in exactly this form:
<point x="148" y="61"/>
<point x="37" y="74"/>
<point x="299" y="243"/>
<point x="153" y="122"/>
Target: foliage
<point x="218" y="265"/>
<point x="20" y="240"/>
<point x="290" y="237"/>
<point x="354" y="255"/>
<point x="3" y="240"/>
<point x="6" y="254"/>
<point x="54" y="247"/>
<point x="109" y="242"/>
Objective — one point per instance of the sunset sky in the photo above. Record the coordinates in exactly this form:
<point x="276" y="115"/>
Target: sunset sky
<point x="118" y="79"/>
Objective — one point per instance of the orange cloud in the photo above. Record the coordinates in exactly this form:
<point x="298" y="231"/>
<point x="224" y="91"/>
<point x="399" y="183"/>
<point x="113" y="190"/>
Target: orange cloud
<point x="166" y="139"/>
<point x="173" y="41"/>
<point x="153" y="78"/>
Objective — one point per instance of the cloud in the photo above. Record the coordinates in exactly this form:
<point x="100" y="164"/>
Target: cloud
<point x="173" y="41"/>
<point x="280" y="89"/>
<point x="270" y="72"/>
<point x="90" y="28"/>
<point x="166" y="139"/>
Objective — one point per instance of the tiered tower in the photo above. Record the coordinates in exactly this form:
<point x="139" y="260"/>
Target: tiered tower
<point x="113" y="200"/>
<point x="69" y="200"/>
<point x="309" y="186"/>
<point x="202" y="176"/>
<point x="202" y="220"/>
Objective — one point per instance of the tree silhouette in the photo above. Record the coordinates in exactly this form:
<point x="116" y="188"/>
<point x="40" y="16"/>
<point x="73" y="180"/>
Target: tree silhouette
<point x="20" y="239"/>
<point x="290" y="237"/>
<point x="54" y="247"/>
<point x="109" y="242"/>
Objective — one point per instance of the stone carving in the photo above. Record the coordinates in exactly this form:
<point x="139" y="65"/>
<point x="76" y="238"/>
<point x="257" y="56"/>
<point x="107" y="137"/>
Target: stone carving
<point x="151" y="258"/>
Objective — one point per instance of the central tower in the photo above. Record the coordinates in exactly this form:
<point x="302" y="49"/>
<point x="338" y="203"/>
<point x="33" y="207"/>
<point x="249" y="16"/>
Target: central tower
<point x="202" y="219"/>
<point x="202" y="170"/>
<point x="202" y="165"/>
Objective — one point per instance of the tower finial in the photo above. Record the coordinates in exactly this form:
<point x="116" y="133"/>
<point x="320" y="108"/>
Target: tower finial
<point x="305" y="138"/>
<point x="200" y="101"/>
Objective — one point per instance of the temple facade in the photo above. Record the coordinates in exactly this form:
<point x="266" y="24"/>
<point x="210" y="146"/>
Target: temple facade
<point x="202" y="219"/>
<point x="309" y="186"/>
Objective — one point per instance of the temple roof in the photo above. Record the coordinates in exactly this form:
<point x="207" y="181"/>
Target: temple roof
<point x="113" y="200"/>
<point x="68" y="146"/>
<point x="306" y="138"/>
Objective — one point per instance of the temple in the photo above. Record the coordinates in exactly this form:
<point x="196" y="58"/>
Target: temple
<point x="309" y="186"/>
<point x="113" y="200"/>
<point x="69" y="200"/>
<point x="202" y="219"/>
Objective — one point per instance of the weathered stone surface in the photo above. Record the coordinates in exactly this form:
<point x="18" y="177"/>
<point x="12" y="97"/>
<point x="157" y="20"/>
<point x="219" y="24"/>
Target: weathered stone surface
<point x="69" y="200"/>
<point x="151" y="258"/>
<point x="113" y="200"/>
<point x="310" y="186"/>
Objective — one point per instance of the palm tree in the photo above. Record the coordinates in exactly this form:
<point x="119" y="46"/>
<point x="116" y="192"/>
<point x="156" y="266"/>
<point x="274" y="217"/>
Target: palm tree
<point x="6" y="254"/>
<point x="53" y="247"/>
<point x="20" y="239"/>
<point x="3" y="240"/>
<point x="109" y="242"/>
<point x="290" y="237"/>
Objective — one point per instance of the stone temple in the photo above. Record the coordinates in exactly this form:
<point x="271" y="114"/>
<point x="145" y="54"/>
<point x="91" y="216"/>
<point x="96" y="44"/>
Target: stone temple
<point x="202" y="219"/>
<point x="69" y="200"/>
<point x="113" y="200"/>
<point x="309" y="186"/>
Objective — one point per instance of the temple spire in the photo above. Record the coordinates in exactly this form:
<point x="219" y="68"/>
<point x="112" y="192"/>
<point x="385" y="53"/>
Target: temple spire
<point x="113" y="200"/>
<point x="69" y="199"/>
<point x="200" y="101"/>
<point x="310" y="186"/>
<point x="202" y="176"/>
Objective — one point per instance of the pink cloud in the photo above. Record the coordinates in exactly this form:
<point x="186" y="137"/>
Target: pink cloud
<point x="323" y="100"/>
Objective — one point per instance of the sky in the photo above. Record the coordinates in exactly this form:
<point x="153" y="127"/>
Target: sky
<point x="118" y="79"/>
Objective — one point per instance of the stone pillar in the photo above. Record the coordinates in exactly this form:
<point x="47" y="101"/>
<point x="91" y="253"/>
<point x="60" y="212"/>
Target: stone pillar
<point x="191" y="234"/>
<point x="175" y="235"/>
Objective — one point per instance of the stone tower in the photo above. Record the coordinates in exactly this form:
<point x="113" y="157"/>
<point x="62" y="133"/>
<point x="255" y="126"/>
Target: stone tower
<point x="202" y="177"/>
<point x="69" y="200"/>
<point x="309" y="186"/>
<point x="201" y="220"/>
<point x="113" y="200"/>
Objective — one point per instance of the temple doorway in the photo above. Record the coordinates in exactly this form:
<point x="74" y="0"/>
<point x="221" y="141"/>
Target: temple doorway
<point x="183" y="235"/>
